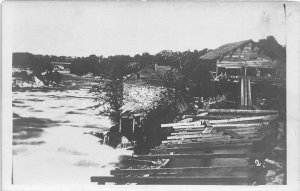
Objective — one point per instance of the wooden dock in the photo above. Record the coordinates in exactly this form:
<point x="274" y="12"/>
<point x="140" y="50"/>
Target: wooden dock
<point x="217" y="152"/>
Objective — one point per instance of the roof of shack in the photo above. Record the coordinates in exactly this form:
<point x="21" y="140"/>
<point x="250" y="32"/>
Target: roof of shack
<point x="224" y="50"/>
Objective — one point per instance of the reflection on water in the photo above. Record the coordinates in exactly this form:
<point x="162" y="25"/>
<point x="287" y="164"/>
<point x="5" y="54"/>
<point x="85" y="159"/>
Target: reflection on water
<point x="49" y="144"/>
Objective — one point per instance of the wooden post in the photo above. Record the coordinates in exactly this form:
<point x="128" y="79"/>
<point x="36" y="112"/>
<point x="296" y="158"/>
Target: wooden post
<point x="249" y="94"/>
<point x="246" y="92"/>
<point x="242" y="92"/>
<point x="217" y="67"/>
<point x="133" y="124"/>
<point x="120" y="125"/>
<point x="246" y="101"/>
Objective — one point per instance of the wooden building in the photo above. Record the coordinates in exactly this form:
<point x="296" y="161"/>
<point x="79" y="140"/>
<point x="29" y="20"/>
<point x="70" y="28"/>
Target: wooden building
<point x="244" y="63"/>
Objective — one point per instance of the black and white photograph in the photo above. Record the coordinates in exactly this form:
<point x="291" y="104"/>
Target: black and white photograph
<point x="150" y="93"/>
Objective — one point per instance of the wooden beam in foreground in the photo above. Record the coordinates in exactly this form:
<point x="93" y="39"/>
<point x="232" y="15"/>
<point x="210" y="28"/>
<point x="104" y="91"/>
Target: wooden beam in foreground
<point x="197" y="156"/>
<point x="200" y="180"/>
<point x="178" y="171"/>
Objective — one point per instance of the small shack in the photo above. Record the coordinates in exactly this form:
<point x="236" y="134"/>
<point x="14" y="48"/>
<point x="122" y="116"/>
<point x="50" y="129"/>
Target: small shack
<point x="139" y="100"/>
<point x="244" y="63"/>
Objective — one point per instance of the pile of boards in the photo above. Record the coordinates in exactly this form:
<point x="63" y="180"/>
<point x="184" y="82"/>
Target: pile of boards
<point x="214" y="147"/>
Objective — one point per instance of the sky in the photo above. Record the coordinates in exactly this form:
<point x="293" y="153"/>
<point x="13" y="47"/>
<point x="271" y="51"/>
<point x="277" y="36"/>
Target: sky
<point x="129" y="28"/>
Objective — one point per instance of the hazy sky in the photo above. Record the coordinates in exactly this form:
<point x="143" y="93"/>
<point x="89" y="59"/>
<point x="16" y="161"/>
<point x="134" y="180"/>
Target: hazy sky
<point x="109" y="28"/>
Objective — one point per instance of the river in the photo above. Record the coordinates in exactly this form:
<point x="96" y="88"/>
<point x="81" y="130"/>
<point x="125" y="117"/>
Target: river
<point x="49" y="144"/>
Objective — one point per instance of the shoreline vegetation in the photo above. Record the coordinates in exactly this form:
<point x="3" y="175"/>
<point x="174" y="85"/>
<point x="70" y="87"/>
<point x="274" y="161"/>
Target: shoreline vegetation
<point x="161" y="88"/>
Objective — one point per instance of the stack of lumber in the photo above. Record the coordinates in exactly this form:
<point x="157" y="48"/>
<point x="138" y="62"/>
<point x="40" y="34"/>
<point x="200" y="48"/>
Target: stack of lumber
<point x="214" y="147"/>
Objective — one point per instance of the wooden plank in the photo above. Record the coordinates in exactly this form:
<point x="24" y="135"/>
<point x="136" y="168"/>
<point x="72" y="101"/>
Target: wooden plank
<point x="204" y="139"/>
<point x="196" y="123"/>
<point x="191" y="126"/>
<point x="200" y="180"/>
<point x="239" y="131"/>
<point x="185" y="170"/>
<point x="239" y="111"/>
<point x="196" y="156"/>
<point x="206" y="117"/>
<point x="203" y="114"/>
<point x="195" y="144"/>
<point x="223" y="126"/>
<point x="255" y="118"/>
<point x="202" y="147"/>
<point x="200" y="135"/>
<point x="199" y="126"/>
<point x="179" y="133"/>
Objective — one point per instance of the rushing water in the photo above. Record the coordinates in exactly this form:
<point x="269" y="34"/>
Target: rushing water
<point x="49" y="144"/>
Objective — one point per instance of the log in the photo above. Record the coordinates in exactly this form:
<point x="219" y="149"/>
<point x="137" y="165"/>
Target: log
<point x="239" y="111"/>
<point x="229" y="180"/>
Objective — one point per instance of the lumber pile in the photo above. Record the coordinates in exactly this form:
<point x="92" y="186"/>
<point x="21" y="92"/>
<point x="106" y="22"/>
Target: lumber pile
<point x="210" y="148"/>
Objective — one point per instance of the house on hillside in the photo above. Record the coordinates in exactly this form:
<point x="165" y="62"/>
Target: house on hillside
<point x="245" y="64"/>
